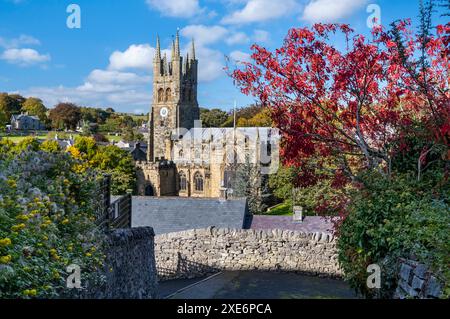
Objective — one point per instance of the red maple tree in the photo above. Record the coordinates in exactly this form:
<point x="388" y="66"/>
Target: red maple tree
<point x="352" y="102"/>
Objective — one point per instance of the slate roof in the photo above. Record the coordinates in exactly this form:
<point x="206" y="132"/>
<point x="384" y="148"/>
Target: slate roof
<point x="217" y="134"/>
<point x="173" y="214"/>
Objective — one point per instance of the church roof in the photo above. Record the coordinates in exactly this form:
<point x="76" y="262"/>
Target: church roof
<point x="216" y="134"/>
<point x="174" y="214"/>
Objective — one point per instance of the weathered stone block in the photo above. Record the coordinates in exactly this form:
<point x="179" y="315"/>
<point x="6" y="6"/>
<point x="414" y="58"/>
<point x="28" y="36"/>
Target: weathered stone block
<point x="420" y="271"/>
<point x="417" y="283"/>
<point x="434" y="288"/>
<point x="405" y="272"/>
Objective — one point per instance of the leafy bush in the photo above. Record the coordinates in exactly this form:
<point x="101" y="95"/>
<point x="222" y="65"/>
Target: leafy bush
<point x="47" y="222"/>
<point x="109" y="159"/>
<point x="395" y="218"/>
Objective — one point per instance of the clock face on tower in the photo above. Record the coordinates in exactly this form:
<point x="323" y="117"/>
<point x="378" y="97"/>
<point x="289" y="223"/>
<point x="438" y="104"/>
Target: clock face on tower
<point x="164" y="112"/>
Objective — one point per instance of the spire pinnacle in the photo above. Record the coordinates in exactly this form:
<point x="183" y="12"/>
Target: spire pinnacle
<point x="158" y="48"/>
<point x="193" y="50"/>
<point x="177" y="43"/>
<point x="173" y="50"/>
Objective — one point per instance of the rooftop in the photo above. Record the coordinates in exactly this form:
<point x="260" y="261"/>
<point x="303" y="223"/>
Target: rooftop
<point x="174" y="214"/>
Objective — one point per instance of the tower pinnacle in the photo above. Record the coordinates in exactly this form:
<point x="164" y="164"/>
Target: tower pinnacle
<point x="177" y="43"/>
<point x="158" y="48"/>
<point x="193" y="50"/>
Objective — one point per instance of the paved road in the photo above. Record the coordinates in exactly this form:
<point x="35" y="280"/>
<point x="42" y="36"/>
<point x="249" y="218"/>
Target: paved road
<point x="262" y="285"/>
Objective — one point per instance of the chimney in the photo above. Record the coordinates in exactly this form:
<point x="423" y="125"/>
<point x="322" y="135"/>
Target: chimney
<point x="298" y="214"/>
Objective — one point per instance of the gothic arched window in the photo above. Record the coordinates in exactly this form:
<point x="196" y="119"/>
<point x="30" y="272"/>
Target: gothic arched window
<point x="183" y="181"/>
<point x="168" y="94"/>
<point x="198" y="182"/>
<point x="160" y="95"/>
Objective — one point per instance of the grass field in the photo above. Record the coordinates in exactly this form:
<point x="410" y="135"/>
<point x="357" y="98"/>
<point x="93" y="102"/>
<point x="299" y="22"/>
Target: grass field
<point x="284" y="209"/>
<point x="17" y="138"/>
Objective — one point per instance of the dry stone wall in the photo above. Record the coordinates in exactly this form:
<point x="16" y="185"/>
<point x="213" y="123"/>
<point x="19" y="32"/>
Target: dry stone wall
<point x="195" y="253"/>
<point x="416" y="281"/>
<point x="130" y="270"/>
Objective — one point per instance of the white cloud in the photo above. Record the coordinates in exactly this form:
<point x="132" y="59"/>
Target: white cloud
<point x="109" y="76"/>
<point x="211" y="64"/>
<point x="239" y="56"/>
<point x="237" y="38"/>
<point x="261" y="10"/>
<point x="176" y="8"/>
<point x="103" y="88"/>
<point x="204" y="35"/>
<point x="24" y="57"/>
<point x="330" y="10"/>
<point x="137" y="56"/>
<point x="98" y="94"/>
<point x="261" y="36"/>
<point x="22" y="40"/>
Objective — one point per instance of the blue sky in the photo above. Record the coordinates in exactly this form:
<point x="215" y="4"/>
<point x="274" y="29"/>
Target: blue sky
<point x="107" y="62"/>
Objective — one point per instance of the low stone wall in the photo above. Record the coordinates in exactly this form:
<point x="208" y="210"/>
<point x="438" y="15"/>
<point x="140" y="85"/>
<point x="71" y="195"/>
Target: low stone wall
<point x="416" y="281"/>
<point x="195" y="253"/>
<point x="130" y="269"/>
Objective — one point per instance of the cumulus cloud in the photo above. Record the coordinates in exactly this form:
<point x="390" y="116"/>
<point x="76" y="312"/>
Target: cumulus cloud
<point x="211" y="64"/>
<point x="116" y="96"/>
<point x="203" y="34"/>
<point x="261" y="10"/>
<point x="24" y="57"/>
<point x="239" y="56"/>
<point x="330" y="10"/>
<point x="237" y="38"/>
<point x="261" y="36"/>
<point x="108" y="87"/>
<point x="22" y="40"/>
<point x="137" y="56"/>
<point x="176" y="8"/>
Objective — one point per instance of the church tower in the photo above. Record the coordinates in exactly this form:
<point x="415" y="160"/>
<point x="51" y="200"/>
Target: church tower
<point x="174" y="106"/>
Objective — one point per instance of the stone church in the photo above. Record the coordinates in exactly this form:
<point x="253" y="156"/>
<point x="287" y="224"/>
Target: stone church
<point x="184" y="159"/>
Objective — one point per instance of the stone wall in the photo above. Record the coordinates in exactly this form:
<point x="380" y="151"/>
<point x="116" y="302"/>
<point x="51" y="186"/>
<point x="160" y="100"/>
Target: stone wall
<point x="130" y="269"/>
<point x="416" y="281"/>
<point x="195" y="253"/>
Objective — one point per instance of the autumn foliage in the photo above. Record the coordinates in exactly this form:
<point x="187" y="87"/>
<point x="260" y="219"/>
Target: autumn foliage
<point x="353" y="103"/>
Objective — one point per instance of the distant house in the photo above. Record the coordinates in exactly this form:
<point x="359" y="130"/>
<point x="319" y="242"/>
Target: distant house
<point x="137" y="149"/>
<point x="25" y="122"/>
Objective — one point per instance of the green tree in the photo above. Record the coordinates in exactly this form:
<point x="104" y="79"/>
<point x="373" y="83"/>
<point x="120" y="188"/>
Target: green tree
<point x="283" y="182"/>
<point x="111" y="160"/>
<point x="86" y="145"/>
<point x="9" y="105"/>
<point x="213" y="118"/>
<point x="35" y="106"/>
<point x="65" y="115"/>
<point x="131" y="135"/>
<point x="120" y="165"/>
<point x="250" y="183"/>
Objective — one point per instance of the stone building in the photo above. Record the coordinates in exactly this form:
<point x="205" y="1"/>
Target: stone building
<point x="24" y="122"/>
<point x="184" y="159"/>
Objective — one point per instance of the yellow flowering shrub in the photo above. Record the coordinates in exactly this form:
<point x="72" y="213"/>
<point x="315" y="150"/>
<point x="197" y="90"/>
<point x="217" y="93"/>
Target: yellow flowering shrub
<point x="47" y="222"/>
